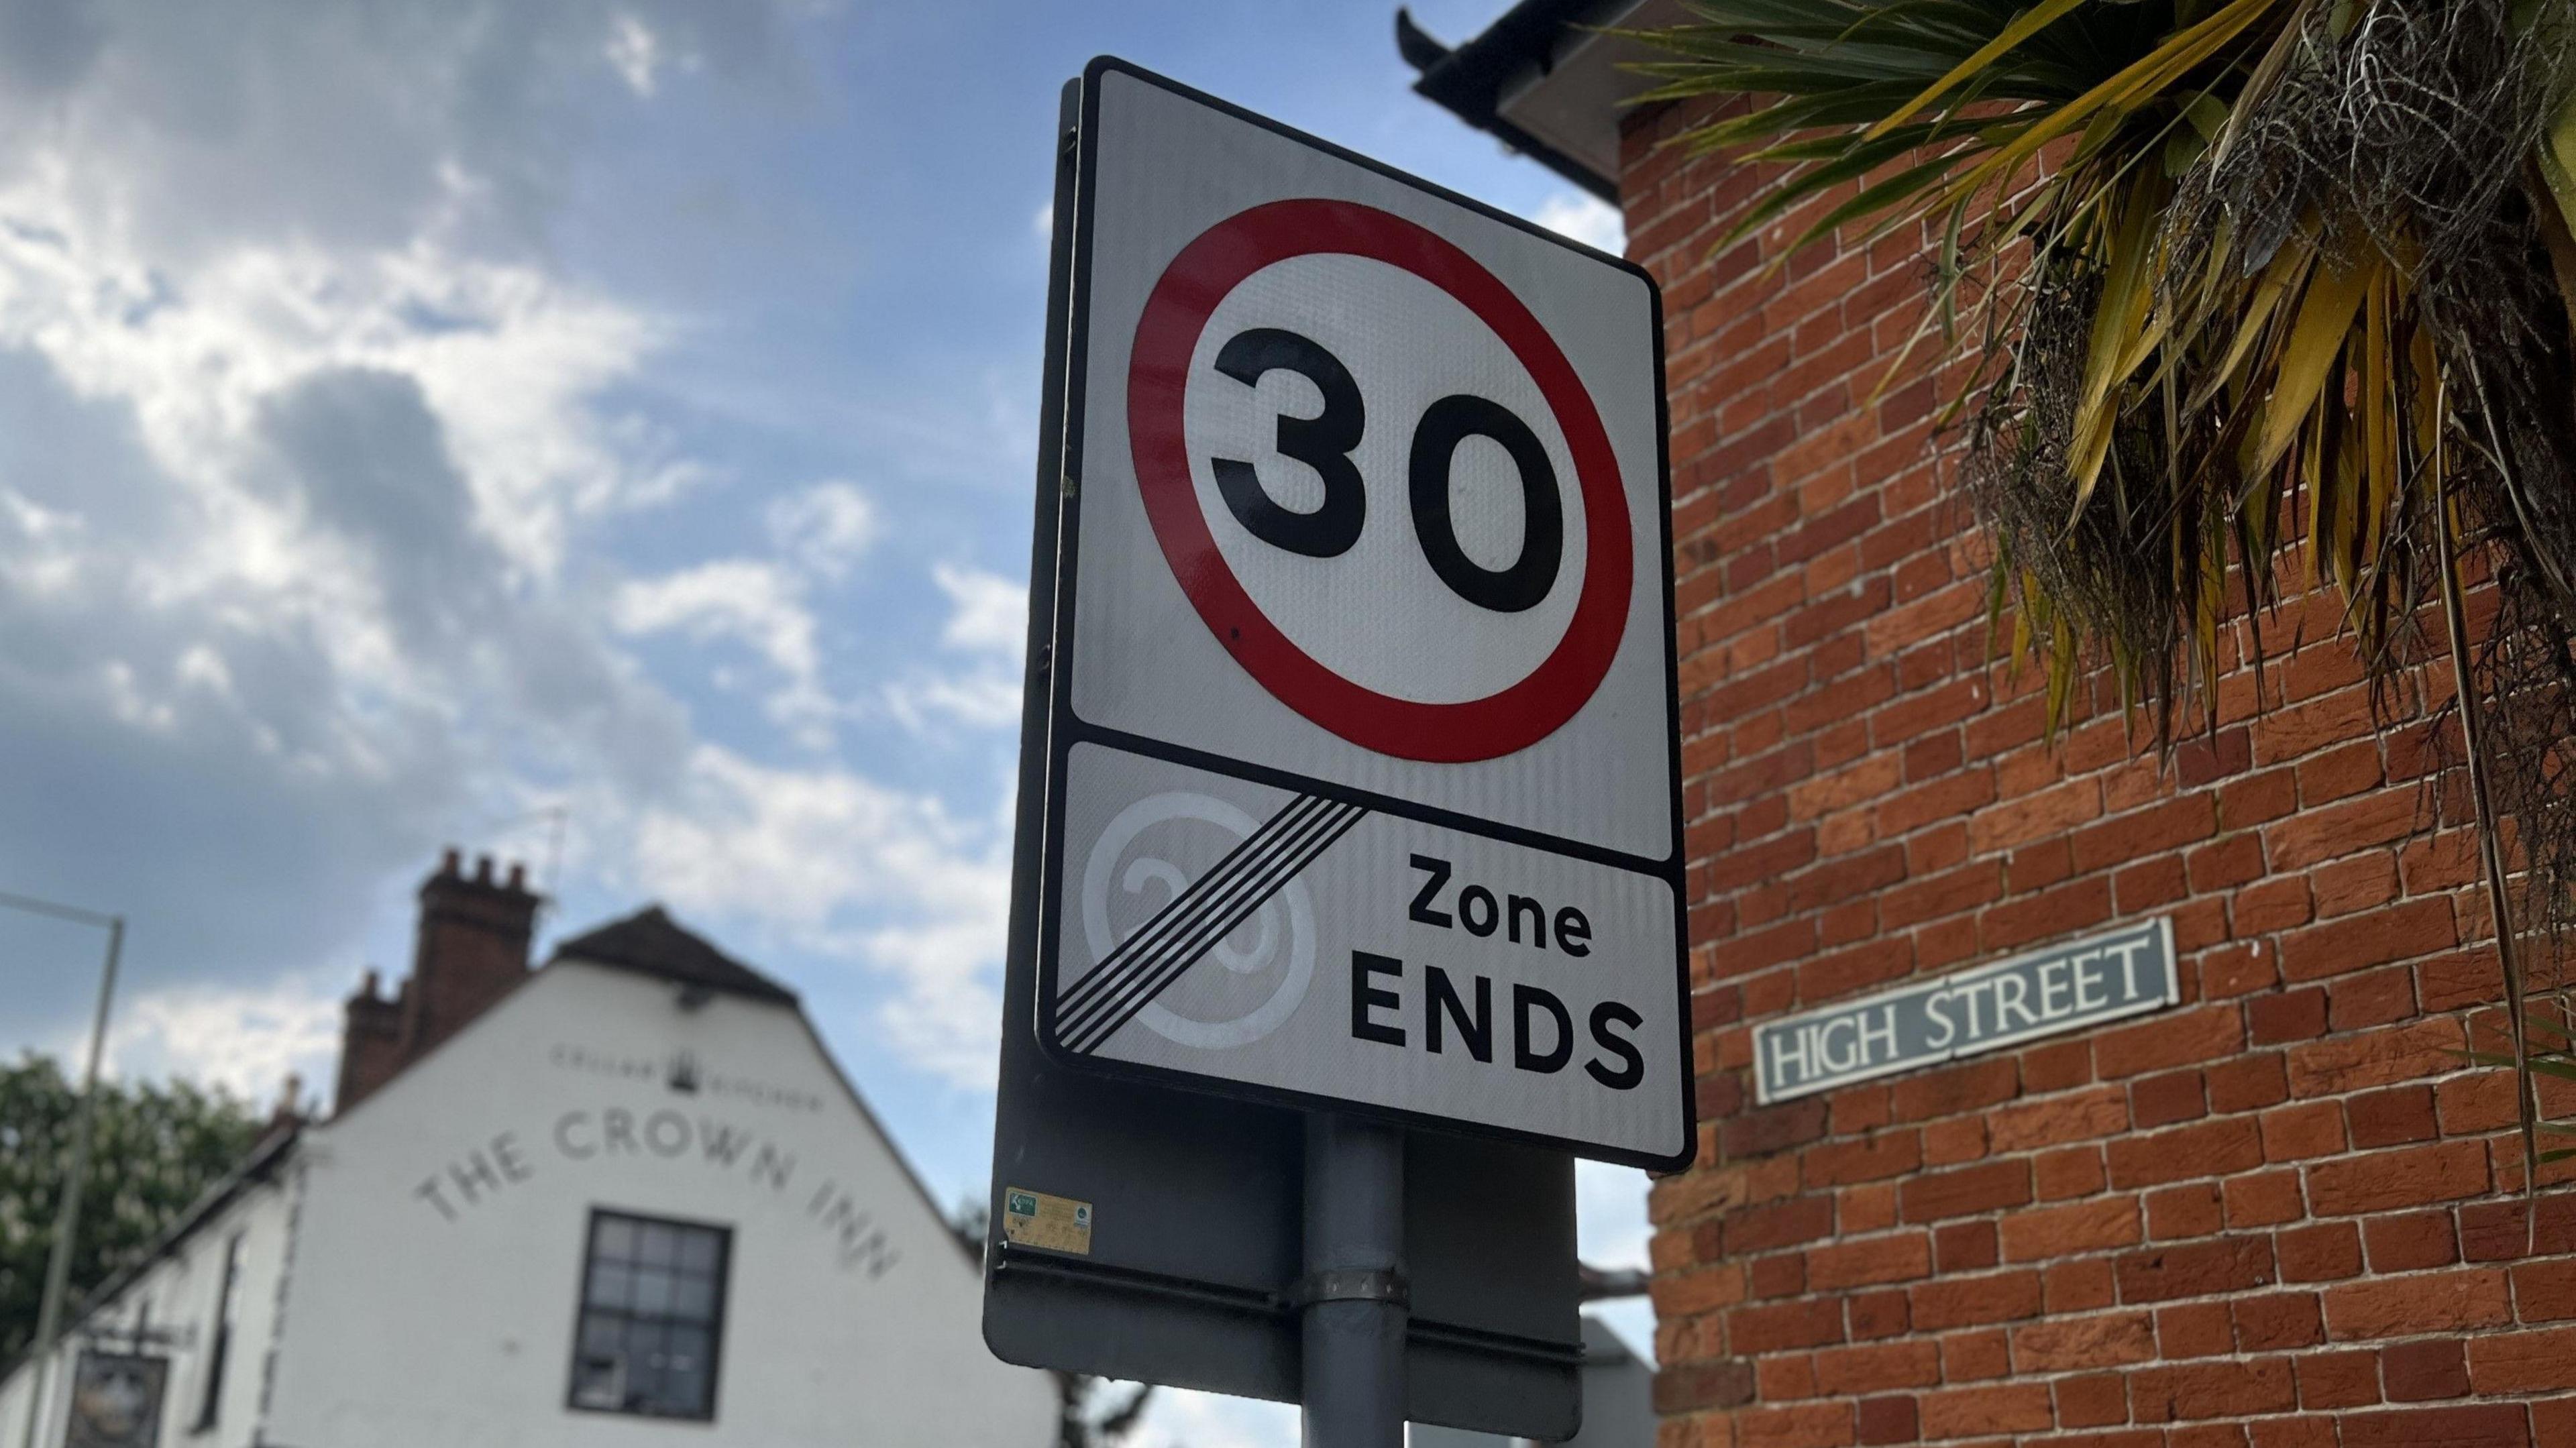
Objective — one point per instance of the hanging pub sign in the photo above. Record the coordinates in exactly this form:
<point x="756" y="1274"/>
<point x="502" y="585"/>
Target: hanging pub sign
<point x="116" y="1400"/>
<point x="2105" y="977"/>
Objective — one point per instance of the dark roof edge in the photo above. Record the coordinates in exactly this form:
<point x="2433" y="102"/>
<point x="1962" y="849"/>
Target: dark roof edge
<point x="1467" y="81"/>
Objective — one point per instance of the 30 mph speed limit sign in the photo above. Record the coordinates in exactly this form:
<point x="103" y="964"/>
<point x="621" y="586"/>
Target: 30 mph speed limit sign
<point x="1361" y="772"/>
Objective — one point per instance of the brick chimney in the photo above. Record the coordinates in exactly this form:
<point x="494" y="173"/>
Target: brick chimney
<point x="471" y="949"/>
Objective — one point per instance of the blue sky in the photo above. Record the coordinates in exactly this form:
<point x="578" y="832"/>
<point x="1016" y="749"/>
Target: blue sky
<point x="417" y="422"/>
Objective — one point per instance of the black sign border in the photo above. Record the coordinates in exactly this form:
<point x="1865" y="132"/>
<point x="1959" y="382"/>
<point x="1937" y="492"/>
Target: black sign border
<point x="1069" y="358"/>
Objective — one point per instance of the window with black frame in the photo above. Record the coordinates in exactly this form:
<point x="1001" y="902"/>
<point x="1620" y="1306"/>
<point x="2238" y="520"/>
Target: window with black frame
<point x="652" y="1316"/>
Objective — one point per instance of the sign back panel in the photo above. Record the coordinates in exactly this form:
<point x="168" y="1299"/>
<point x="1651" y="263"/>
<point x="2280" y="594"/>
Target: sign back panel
<point x="1156" y="1233"/>
<point x="1364" y="783"/>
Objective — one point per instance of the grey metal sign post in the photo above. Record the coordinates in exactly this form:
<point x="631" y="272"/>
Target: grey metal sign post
<point x="1348" y="899"/>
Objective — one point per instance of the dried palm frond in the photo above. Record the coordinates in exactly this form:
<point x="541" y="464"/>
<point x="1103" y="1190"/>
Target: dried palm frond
<point x="2241" y="285"/>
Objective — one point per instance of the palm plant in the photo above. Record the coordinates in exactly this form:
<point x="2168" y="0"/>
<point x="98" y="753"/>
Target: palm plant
<point x="2277" y="291"/>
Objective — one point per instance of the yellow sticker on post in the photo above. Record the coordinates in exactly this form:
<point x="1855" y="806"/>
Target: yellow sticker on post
<point x="1057" y="1224"/>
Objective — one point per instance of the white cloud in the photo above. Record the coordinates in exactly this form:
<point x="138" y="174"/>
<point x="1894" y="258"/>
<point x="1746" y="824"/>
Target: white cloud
<point x="243" y="1039"/>
<point x="825" y="528"/>
<point x="1180" y="1418"/>
<point x="846" y="865"/>
<point x="1044" y="222"/>
<point x="988" y="612"/>
<point x="987" y="621"/>
<point x="635" y="53"/>
<point x="1586" y="218"/>
<point x="757" y="604"/>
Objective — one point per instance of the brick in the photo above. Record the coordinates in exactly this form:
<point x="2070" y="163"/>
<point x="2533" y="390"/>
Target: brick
<point x="1968" y="1191"/>
<point x="2468" y="1425"/>
<point x="2523" y="1362"/>
<point x="1902" y="1258"/>
<point x="2082" y="1343"/>
<point x="2458" y="1301"/>
<point x="1695" y="1386"/>
<point x="1965" y="1247"/>
<point x="2075" y="1171"/>
<point x="2092" y="1226"/>
<point x="2278" y="1321"/>
<point x="2309" y="1129"/>
<point x="1973" y="1086"/>
<point x="2185" y="1211"/>
<point x="2408" y="1177"/>
<point x="2410" y="1243"/>
<point x="2163" y="1100"/>
<point x="2402" y="932"/>
<point x="1982" y="1355"/>
<point x="1761" y="1329"/>
<point x="2195" y="1269"/>
<point x="2173" y="1039"/>
<point x="1974" y="1301"/>
<point x="2211" y="1148"/>
<point x="2376" y="1058"/>
<point x="2015" y="1408"/>
<point x="1849" y="1372"/>
<point x="2298" y="1015"/>
<point x="2327" y="1252"/>
<point x="2248" y="1083"/>
<point x="2092" y="1401"/>
<point x="2545" y="1291"/>
<point x="1885" y="1420"/>
<point x="2195" y="1330"/>
<point x="2424" y="1372"/>
<point x="2266" y="1199"/>
<point x="2392" y="1117"/>
<point x="2052" y="1121"/>
<point x="2337" y="1379"/>
<point x="2212" y="1390"/>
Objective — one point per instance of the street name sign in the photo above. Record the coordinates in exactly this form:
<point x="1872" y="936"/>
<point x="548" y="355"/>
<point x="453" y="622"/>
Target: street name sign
<point x="2104" y="977"/>
<point x="1362" y="781"/>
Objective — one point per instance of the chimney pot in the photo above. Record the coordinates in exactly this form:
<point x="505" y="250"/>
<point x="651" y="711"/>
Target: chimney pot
<point x="518" y="876"/>
<point x="373" y="985"/>
<point x="450" y="861"/>
<point x="482" y="869"/>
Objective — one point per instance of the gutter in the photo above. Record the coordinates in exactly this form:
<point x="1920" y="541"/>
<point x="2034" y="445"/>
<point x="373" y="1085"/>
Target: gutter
<point x="1468" y="80"/>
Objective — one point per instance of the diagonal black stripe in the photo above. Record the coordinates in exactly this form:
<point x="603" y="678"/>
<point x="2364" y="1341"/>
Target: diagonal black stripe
<point x="1225" y="908"/>
<point x="1309" y="849"/>
<point x="1175" y="965"/>
<point x="1211" y="894"/>
<point x="1177" y="912"/>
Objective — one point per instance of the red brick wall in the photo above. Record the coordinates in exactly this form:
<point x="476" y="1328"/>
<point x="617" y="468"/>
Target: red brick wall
<point x="2277" y="1215"/>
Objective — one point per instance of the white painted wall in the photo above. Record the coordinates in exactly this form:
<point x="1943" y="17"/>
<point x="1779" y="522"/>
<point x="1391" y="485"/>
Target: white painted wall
<point x="431" y="1242"/>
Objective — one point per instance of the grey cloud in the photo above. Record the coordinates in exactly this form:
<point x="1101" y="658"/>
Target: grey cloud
<point x="335" y="121"/>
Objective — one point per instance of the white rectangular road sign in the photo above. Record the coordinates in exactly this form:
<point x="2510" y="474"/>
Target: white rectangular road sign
<point x="1363" y="784"/>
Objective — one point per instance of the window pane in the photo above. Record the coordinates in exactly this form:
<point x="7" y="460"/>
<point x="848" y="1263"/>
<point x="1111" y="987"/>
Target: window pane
<point x="612" y="1285"/>
<point x="687" y="1348"/>
<point x="652" y="1292"/>
<point x="599" y="1382"/>
<point x="698" y="1250"/>
<point x="694" y="1300"/>
<point x="685" y="1393"/>
<point x="615" y="1238"/>
<point x="661" y="1245"/>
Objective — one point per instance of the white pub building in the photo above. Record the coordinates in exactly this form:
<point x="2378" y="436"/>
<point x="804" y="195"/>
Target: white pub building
<point x="624" y="1199"/>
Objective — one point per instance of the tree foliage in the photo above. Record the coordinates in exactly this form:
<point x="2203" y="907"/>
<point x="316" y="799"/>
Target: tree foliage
<point x="154" y="1150"/>
<point x="2248" y="297"/>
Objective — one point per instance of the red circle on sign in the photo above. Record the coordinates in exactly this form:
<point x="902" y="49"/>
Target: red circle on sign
<point x="1167" y="336"/>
